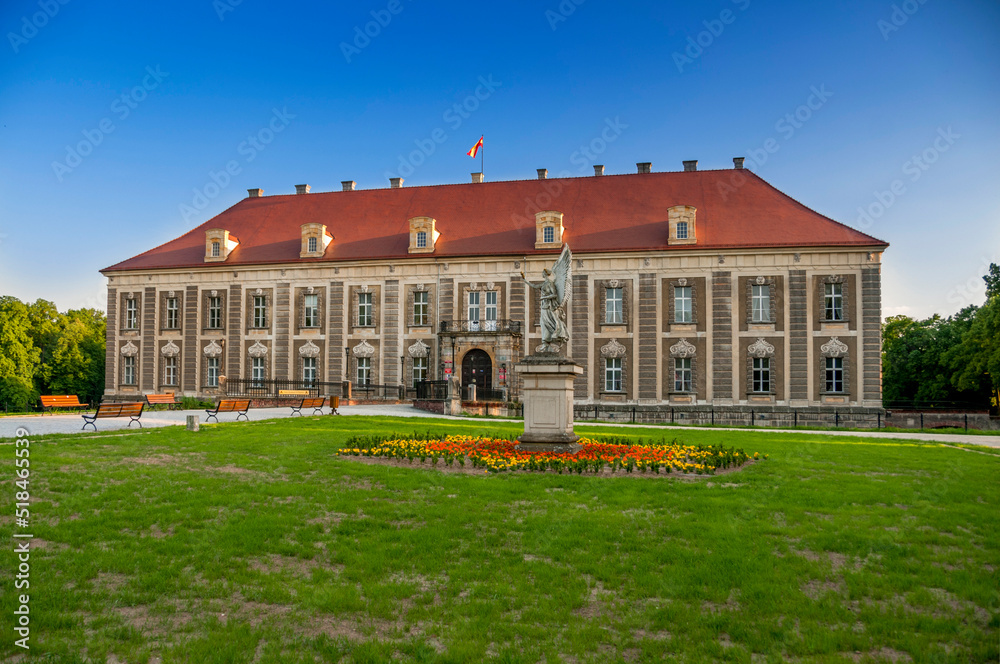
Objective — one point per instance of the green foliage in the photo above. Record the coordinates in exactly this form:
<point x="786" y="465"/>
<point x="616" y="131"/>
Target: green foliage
<point x="45" y="352"/>
<point x="954" y="359"/>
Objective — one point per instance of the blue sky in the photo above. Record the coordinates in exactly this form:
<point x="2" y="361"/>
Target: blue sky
<point x="118" y="121"/>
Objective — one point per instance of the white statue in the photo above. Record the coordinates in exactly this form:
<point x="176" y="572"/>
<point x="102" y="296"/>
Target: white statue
<point x="556" y="289"/>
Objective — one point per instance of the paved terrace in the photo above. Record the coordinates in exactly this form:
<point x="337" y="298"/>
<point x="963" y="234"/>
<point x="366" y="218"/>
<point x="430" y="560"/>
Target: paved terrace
<point x="40" y="425"/>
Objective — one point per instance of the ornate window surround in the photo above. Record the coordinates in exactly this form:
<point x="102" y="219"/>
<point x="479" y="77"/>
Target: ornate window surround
<point x="165" y="297"/>
<point x="613" y="350"/>
<point x="356" y="292"/>
<point x="844" y="301"/>
<point x="834" y="348"/>
<point x="125" y="299"/>
<point x="300" y="306"/>
<point x="671" y="300"/>
<point x="268" y="296"/>
<point x="683" y="350"/>
<point x="482" y="288"/>
<point x="207" y="296"/>
<point x="411" y="292"/>
<point x="602" y="290"/>
<point x="770" y="282"/>
<point x="761" y="349"/>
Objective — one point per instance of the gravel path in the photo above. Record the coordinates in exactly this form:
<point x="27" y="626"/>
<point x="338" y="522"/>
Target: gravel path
<point x="38" y="425"/>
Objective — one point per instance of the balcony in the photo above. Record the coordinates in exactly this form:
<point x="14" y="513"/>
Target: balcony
<point x="512" y="327"/>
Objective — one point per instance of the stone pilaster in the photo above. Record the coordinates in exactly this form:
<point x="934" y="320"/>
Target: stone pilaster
<point x="110" y="343"/>
<point x="189" y="377"/>
<point x="580" y="331"/>
<point x="798" y="335"/>
<point x="282" y="333"/>
<point x="234" y="359"/>
<point x="648" y="313"/>
<point x="149" y="301"/>
<point x="722" y="336"/>
<point x="871" y="330"/>
<point x="335" y="333"/>
<point x="390" y="333"/>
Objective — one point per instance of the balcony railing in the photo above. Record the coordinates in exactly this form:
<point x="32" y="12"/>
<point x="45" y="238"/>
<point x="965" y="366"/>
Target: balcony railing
<point x="481" y="326"/>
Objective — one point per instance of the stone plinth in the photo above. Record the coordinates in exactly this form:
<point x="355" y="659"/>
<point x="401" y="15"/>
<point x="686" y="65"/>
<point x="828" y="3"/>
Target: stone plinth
<point x="548" y="403"/>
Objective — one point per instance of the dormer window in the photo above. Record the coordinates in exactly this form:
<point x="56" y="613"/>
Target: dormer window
<point x="549" y="230"/>
<point x="681" y="225"/>
<point x="315" y="240"/>
<point x="423" y="235"/>
<point x="219" y="244"/>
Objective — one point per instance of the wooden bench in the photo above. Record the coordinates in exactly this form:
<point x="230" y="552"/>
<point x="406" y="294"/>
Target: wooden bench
<point x="62" y="401"/>
<point x="238" y="406"/>
<point x="162" y="400"/>
<point x="132" y="410"/>
<point x="316" y="403"/>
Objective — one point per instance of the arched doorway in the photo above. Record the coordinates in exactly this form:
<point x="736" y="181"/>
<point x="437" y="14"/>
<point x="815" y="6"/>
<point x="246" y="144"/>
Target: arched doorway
<point x="477" y="367"/>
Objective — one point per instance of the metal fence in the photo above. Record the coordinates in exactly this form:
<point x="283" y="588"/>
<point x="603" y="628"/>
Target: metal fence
<point x="248" y="387"/>
<point x="432" y="390"/>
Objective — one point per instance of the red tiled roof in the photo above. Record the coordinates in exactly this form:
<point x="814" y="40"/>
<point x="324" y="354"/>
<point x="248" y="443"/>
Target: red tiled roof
<point x="609" y="213"/>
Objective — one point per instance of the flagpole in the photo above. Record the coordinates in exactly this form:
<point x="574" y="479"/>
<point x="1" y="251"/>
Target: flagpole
<point x="482" y="165"/>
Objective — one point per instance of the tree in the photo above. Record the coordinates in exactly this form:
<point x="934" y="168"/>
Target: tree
<point x="18" y="355"/>
<point x="977" y="358"/>
<point x="992" y="280"/>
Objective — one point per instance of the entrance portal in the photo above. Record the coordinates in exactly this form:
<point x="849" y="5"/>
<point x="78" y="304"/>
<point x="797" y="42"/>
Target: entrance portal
<point x="477" y="368"/>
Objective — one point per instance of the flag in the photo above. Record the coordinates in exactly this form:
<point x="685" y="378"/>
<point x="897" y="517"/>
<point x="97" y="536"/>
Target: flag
<point x="475" y="148"/>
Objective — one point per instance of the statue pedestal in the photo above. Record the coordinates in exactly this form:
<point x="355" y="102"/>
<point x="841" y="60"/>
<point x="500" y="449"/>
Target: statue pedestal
<point x="548" y="404"/>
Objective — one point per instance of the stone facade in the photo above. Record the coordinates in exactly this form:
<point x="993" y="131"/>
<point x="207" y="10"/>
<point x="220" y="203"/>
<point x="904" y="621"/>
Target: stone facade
<point x="366" y="312"/>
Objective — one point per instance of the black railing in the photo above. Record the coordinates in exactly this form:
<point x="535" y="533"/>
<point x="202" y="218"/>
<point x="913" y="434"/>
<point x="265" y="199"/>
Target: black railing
<point x="365" y="392"/>
<point x="481" y="326"/>
<point x="249" y="387"/>
<point x="432" y="390"/>
<point x="490" y="395"/>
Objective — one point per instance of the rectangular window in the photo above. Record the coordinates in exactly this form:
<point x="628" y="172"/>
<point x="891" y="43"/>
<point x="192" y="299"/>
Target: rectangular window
<point x="834" y="374"/>
<point x="364" y="371"/>
<point x="682" y="230"/>
<point x="683" y="311"/>
<point x="548" y="234"/>
<point x="761" y="300"/>
<point x="420" y="365"/>
<point x="834" y="303"/>
<point x="421" y="239"/>
<point x="259" y="311"/>
<point x="310" y="311"/>
<point x="682" y="374"/>
<point x="215" y="313"/>
<point x="762" y="374"/>
<point x="131" y="314"/>
<point x="365" y="318"/>
<point x="173" y="314"/>
<point x="258" y="371"/>
<point x="170" y="371"/>
<point x="613" y="374"/>
<point x="421" y="308"/>
<point x="313" y="245"/>
<point x="128" y="371"/>
<point x="216" y="249"/>
<point x="491" y="311"/>
<point x="212" y="372"/>
<point x="613" y="305"/>
<point x="474" y="310"/>
<point x="309" y="370"/>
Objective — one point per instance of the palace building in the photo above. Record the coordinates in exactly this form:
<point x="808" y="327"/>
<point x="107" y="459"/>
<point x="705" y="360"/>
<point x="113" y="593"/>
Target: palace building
<point x="689" y="288"/>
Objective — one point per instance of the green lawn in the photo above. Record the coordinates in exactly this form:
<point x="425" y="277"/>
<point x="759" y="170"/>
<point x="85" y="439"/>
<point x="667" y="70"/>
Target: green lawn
<point x="253" y="542"/>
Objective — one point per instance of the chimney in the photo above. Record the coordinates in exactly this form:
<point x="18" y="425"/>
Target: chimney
<point x="255" y="193"/>
<point x="738" y="162"/>
<point x="477" y="178"/>
<point x="349" y="185"/>
<point x="690" y="166"/>
<point x="397" y="183"/>
<point x="543" y="173"/>
<point x="598" y="170"/>
<point x="645" y="167"/>
<point x="302" y="189"/>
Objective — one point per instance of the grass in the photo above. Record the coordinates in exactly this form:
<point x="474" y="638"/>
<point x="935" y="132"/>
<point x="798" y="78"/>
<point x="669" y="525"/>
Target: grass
<point x="255" y="543"/>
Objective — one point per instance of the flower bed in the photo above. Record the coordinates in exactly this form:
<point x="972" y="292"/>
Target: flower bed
<point x="494" y="455"/>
